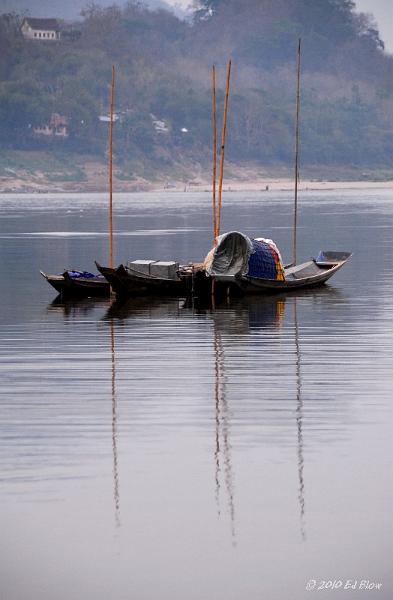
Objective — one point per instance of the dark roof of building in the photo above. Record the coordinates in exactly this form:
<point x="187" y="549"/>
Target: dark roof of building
<point x="51" y="24"/>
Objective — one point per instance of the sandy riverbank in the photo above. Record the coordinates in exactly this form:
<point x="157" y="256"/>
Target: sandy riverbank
<point x="237" y="178"/>
<point x="264" y="185"/>
<point x="267" y="185"/>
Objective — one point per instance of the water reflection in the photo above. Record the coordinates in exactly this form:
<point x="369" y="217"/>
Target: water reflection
<point x="75" y="307"/>
<point x="122" y="309"/>
<point x="309" y="411"/>
<point x="262" y="313"/>
<point x="231" y="326"/>
<point x="222" y="453"/>
<point x="116" y="492"/>
<point x="299" y="422"/>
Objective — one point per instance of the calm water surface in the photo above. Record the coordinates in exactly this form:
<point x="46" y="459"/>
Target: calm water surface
<point x="152" y="450"/>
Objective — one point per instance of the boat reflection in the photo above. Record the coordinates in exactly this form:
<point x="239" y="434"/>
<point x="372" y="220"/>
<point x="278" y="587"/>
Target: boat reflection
<point x="232" y="322"/>
<point x="236" y="317"/>
<point x="76" y="307"/>
<point x="239" y="321"/>
<point x="246" y="316"/>
<point x="122" y="309"/>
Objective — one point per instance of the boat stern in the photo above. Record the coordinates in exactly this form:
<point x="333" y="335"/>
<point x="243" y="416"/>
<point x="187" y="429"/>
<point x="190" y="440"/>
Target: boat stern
<point x="329" y="258"/>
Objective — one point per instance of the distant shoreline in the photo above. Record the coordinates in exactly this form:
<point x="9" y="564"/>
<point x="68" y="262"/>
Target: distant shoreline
<point x="35" y="173"/>
<point x="265" y="185"/>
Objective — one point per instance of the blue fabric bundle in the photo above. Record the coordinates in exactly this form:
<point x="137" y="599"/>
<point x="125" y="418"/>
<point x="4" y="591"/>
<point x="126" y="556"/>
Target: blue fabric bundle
<point x="262" y="262"/>
<point x="77" y="274"/>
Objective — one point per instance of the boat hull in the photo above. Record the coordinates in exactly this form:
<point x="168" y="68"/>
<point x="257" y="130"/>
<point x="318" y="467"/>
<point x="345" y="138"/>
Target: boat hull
<point x="78" y="287"/>
<point x="127" y="283"/>
<point x="306" y="275"/>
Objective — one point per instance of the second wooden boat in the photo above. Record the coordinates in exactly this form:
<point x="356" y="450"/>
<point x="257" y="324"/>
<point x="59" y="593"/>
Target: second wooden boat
<point x="78" y="283"/>
<point x="155" y="278"/>
<point x="255" y="266"/>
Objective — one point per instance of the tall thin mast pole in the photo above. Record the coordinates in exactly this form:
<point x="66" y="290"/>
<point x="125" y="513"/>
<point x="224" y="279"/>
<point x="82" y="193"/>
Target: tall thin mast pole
<point x="214" y="140"/>
<point x="222" y="153"/>
<point x="110" y="170"/>
<point x="296" y="151"/>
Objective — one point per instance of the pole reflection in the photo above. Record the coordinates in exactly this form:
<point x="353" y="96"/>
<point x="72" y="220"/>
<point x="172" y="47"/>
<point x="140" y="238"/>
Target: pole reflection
<point x="222" y="453"/>
<point x="239" y="317"/>
<point x="251" y="315"/>
<point x="252" y="322"/>
<point x="299" y="423"/>
<point x="115" y="469"/>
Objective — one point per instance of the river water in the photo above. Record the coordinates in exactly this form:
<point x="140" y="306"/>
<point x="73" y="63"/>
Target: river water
<point x="155" y="450"/>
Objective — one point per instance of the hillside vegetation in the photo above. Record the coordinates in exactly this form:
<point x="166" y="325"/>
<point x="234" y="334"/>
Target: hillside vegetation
<point x="163" y="84"/>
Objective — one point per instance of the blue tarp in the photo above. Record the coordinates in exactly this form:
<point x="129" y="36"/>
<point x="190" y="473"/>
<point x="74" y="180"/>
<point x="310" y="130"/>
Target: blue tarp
<point x="262" y="263"/>
<point x="77" y="274"/>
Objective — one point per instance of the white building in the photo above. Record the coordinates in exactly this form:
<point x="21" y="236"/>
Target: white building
<point x="40" y="29"/>
<point x="57" y="127"/>
<point x="159" y="125"/>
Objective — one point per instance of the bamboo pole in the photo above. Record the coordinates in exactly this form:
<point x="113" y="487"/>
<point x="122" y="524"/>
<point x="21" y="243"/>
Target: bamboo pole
<point x="214" y="141"/>
<point x="294" y="257"/>
<point x="110" y="170"/>
<point x="222" y="152"/>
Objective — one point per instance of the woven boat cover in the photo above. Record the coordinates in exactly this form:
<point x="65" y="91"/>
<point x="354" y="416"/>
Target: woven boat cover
<point x="237" y="255"/>
<point x="265" y="261"/>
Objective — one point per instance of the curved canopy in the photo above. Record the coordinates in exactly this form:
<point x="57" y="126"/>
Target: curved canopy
<point x="230" y="256"/>
<point x="236" y="255"/>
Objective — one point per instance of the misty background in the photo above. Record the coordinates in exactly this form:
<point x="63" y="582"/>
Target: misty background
<point x="382" y="10"/>
<point x="71" y="8"/>
<point x="163" y="52"/>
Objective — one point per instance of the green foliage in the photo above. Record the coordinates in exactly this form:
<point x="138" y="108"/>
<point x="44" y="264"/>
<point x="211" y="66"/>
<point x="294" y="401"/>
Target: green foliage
<point x="275" y="45"/>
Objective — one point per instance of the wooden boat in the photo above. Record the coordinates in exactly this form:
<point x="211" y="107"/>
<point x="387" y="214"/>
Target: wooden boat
<point x="306" y="275"/>
<point x="195" y="281"/>
<point x="230" y="266"/>
<point x="172" y="280"/>
<point x="78" y="283"/>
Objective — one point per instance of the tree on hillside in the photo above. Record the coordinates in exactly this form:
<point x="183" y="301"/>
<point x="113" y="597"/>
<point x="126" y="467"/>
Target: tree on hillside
<point x="10" y="37"/>
<point x="264" y="32"/>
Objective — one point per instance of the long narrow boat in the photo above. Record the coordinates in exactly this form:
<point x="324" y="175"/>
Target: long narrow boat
<point x="78" y="283"/>
<point x="168" y="279"/>
<point x="237" y="265"/>
<point x="309" y="274"/>
<point x="255" y="266"/>
<point x="306" y="275"/>
<point x="125" y="282"/>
